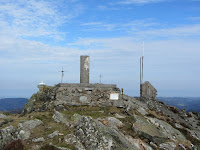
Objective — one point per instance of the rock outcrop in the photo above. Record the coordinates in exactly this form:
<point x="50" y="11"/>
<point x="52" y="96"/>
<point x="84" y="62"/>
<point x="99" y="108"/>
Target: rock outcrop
<point x="66" y="117"/>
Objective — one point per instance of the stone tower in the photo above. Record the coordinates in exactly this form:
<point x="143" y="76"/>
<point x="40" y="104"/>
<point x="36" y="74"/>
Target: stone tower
<point x="84" y="69"/>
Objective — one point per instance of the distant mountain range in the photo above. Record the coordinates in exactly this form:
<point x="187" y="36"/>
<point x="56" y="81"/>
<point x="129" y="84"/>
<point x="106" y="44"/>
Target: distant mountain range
<point x="12" y="104"/>
<point x="188" y="103"/>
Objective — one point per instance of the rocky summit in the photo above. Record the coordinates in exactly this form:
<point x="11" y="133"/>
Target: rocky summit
<point x="97" y="117"/>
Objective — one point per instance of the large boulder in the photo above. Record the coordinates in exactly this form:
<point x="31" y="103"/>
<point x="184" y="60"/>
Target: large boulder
<point x="156" y="127"/>
<point x="26" y="127"/>
<point x="167" y="129"/>
<point x="94" y="135"/>
<point x="112" y="122"/>
<point x="141" y="124"/>
<point x="29" y="125"/>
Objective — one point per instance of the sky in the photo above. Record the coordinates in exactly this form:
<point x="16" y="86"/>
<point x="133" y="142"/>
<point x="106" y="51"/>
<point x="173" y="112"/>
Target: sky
<point x="39" y="37"/>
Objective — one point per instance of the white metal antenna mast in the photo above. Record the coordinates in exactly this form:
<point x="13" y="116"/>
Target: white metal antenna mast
<point x="142" y="60"/>
<point x="100" y="77"/>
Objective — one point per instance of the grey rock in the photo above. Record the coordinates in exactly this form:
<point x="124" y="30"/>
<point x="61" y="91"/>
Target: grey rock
<point x="76" y="118"/>
<point x="167" y="129"/>
<point x="52" y="135"/>
<point x="94" y="135"/>
<point x="182" y="147"/>
<point x="178" y="126"/>
<point x="37" y="140"/>
<point x="156" y="127"/>
<point x="60" y="148"/>
<point x="84" y="99"/>
<point x="28" y="108"/>
<point x="138" y="143"/>
<point x="72" y="140"/>
<point x="24" y="135"/>
<point x="29" y="125"/>
<point x="168" y="146"/>
<point x="119" y="116"/>
<point x="142" y="111"/>
<point x="60" y="118"/>
<point x="2" y="116"/>
<point x="118" y="103"/>
<point x="141" y="124"/>
<point x="153" y="145"/>
<point x="113" y="122"/>
<point x="195" y="134"/>
<point x="7" y="135"/>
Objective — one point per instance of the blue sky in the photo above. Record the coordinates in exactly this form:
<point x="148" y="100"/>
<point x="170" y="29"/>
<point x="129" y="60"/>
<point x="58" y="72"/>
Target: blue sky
<point x="39" y="37"/>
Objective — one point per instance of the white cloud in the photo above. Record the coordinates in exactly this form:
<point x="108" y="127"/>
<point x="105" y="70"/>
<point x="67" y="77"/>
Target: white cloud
<point x="139" y="1"/>
<point x="181" y="31"/>
<point x="99" y="26"/>
<point x="193" y="18"/>
<point x="146" y="28"/>
<point x="32" y="18"/>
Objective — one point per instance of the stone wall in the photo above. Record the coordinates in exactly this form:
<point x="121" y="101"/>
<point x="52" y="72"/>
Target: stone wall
<point x="86" y="94"/>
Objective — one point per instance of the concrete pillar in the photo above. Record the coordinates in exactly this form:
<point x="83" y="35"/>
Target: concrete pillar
<point x="84" y="69"/>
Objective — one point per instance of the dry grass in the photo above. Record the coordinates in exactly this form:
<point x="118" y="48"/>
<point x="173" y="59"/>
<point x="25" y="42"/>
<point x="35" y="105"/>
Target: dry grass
<point x="94" y="112"/>
<point x="157" y="115"/>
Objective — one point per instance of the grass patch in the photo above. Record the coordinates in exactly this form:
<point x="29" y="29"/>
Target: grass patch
<point x="93" y="111"/>
<point x="128" y="124"/>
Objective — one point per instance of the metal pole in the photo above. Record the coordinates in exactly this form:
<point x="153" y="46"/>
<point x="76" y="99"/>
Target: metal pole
<point x="142" y="68"/>
<point x="140" y="71"/>
<point x="100" y="77"/>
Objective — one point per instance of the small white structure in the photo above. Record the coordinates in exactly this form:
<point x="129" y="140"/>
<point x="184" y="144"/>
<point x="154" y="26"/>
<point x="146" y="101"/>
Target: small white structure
<point x="41" y="83"/>
<point x="114" y="96"/>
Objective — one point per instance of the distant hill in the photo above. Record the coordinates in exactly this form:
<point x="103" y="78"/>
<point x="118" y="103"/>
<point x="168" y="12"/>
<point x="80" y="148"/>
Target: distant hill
<point x="188" y="103"/>
<point x="12" y="103"/>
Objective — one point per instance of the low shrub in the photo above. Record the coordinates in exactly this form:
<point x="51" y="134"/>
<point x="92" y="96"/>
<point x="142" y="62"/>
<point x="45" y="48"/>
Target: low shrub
<point x="14" y="145"/>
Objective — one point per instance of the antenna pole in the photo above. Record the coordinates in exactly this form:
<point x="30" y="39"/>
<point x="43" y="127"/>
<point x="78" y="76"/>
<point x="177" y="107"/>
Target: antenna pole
<point x="143" y="49"/>
<point x="100" y="77"/>
<point x="142" y="61"/>
<point x="142" y="67"/>
<point x="140" y="71"/>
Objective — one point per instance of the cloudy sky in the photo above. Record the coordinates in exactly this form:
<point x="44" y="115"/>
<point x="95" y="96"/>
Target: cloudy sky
<point x="39" y="37"/>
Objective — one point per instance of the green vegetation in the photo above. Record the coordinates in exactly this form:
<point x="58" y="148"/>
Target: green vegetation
<point x="94" y="112"/>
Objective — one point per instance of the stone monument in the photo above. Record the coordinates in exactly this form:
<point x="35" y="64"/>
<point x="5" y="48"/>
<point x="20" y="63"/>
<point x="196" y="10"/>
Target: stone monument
<point x="84" y="69"/>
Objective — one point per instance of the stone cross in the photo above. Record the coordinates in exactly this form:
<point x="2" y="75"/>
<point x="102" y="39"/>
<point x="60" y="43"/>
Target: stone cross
<point x="62" y="75"/>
